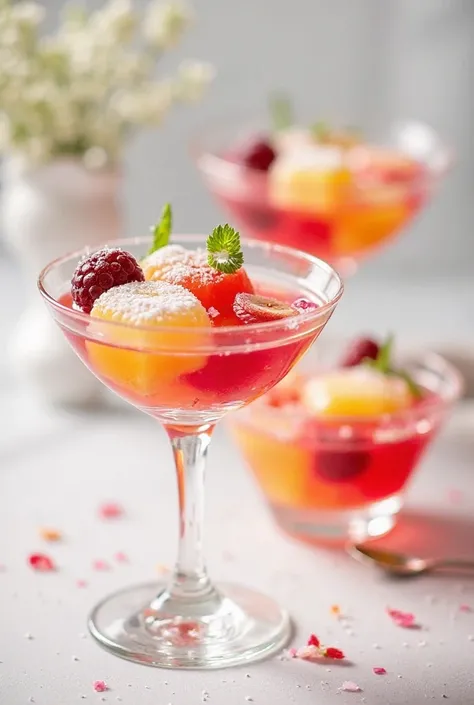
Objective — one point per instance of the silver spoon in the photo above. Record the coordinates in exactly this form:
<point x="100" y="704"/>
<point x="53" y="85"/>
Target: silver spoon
<point x="404" y="566"/>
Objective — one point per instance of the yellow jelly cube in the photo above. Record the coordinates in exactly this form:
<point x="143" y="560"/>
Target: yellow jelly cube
<point x="157" y="341"/>
<point x="358" y="391"/>
<point x="314" y="180"/>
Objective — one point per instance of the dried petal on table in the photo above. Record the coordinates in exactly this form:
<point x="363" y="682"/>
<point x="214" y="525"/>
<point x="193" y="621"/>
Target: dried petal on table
<point x="406" y="620"/>
<point x="111" y="510"/>
<point x="351" y="687"/>
<point x="100" y="686"/>
<point x="50" y="534"/>
<point x="41" y="562"/>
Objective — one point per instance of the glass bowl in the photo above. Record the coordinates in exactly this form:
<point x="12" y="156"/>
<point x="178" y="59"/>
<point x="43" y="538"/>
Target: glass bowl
<point x="342" y="477"/>
<point x="188" y="378"/>
<point x="342" y="230"/>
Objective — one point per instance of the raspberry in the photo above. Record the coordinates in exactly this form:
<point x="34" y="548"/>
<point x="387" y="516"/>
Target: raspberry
<point x="358" y="351"/>
<point x="259" y="155"/>
<point x="100" y="272"/>
<point x="341" y="466"/>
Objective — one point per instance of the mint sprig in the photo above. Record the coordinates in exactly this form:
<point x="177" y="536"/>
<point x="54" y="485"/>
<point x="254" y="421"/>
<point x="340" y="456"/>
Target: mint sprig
<point x="224" y="249"/>
<point x="162" y="230"/>
<point x="281" y="112"/>
<point x="320" y="131"/>
<point x="383" y="364"/>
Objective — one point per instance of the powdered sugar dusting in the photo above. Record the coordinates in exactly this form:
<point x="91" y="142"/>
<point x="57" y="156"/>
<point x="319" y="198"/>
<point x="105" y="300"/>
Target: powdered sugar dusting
<point x="150" y="303"/>
<point x="201" y="275"/>
<point x="158" y="263"/>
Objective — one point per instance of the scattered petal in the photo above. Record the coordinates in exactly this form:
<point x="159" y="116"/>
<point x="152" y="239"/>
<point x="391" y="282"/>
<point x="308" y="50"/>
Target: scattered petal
<point x="403" y="619"/>
<point x="161" y="568"/>
<point x="465" y="608"/>
<point x="111" y="510"/>
<point x="100" y="686"/>
<point x="351" y="687"/>
<point x="100" y="565"/>
<point x="379" y="670"/>
<point x="41" y="562"/>
<point x="331" y="652"/>
<point x="335" y="610"/>
<point x="292" y="653"/>
<point x="121" y="557"/>
<point x="3" y="567"/>
<point x="50" y="534"/>
<point x="313" y="640"/>
<point x="81" y="583"/>
<point x="308" y="653"/>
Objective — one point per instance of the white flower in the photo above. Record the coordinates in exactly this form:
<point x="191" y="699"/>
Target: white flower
<point x="193" y="79"/>
<point x="164" y="24"/>
<point x="28" y="13"/>
<point x="82" y="90"/>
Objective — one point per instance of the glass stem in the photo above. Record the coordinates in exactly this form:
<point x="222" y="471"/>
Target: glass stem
<point x="190" y="580"/>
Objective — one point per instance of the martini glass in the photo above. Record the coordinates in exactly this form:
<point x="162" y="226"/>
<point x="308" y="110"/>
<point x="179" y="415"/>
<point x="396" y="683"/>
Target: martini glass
<point x="188" y="379"/>
<point x="365" y="216"/>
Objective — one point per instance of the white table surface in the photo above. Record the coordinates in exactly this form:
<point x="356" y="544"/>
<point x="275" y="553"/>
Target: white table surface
<point x="55" y="470"/>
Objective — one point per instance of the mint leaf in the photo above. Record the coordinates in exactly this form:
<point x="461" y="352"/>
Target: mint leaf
<point x="320" y="131"/>
<point x="383" y="364"/>
<point x="281" y="112"/>
<point x="224" y="249"/>
<point x="162" y="230"/>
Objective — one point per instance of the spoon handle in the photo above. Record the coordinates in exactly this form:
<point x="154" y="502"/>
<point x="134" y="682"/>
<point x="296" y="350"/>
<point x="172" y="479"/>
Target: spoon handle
<point x="456" y="563"/>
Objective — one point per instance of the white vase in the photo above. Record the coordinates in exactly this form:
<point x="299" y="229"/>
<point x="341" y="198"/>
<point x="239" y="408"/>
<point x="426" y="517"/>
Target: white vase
<point x="47" y="212"/>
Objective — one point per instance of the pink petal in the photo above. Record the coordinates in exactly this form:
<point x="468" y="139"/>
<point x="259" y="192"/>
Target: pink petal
<point x="308" y="653"/>
<point x="465" y="608"/>
<point x="351" y="687"/>
<point x="41" y="562"/>
<point x="100" y="565"/>
<point x="292" y="652"/>
<point x="81" y="583"/>
<point x="100" y="686"/>
<point x="379" y="671"/>
<point x="121" y="557"/>
<point x="110" y="510"/>
<point x="403" y="619"/>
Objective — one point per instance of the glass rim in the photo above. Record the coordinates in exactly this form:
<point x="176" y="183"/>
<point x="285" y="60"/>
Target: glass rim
<point x="217" y="332"/>
<point x="210" y="161"/>
<point x="454" y="391"/>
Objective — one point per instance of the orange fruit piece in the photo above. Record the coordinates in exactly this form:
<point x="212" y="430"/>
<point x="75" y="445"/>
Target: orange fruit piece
<point x="156" y="344"/>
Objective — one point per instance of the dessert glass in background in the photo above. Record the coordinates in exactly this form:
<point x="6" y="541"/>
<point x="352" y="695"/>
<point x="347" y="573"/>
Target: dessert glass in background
<point x="335" y="193"/>
<point x="188" y="374"/>
<point x="334" y="448"/>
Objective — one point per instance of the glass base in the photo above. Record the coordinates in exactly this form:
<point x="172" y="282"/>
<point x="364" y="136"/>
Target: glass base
<point x="234" y="625"/>
<point x="339" y="526"/>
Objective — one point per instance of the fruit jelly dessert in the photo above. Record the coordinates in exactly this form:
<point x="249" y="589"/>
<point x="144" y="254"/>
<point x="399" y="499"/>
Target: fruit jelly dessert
<point x="331" y="194"/>
<point x="163" y="352"/>
<point x="317" y="442"/>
